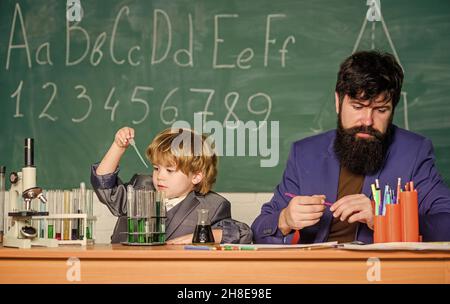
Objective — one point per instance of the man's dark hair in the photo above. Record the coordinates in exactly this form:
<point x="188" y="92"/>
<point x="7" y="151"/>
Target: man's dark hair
<point x="367" y="74"/>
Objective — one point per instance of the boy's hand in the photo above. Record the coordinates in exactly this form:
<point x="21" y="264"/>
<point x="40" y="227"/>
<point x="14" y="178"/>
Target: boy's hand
<point x="111" y="159"/>
<point x="181" y="240"/>
<point x="123" y="137"/>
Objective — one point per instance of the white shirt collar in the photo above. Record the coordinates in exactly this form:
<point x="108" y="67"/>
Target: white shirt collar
<point x="170" y="203"/>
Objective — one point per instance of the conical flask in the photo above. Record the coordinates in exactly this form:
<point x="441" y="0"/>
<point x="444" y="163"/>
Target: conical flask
<point x="203" y="232"/>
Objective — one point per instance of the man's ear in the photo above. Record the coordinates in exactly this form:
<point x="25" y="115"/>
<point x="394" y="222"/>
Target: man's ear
<point x="336" y="97"/>
<point x="197" y="178"/>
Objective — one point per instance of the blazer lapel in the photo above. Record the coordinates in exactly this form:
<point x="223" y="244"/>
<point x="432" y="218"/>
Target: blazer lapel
<point x="186" y="207"/>
<point x="330" y="173"/>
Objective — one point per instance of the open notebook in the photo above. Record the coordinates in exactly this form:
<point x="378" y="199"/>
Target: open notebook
<point x="443" y="246"/>
<point x="281" y="246"/>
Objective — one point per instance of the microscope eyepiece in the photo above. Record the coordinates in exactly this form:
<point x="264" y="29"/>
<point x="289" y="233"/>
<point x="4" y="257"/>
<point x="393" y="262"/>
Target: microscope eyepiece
<point x="29" y="152"/>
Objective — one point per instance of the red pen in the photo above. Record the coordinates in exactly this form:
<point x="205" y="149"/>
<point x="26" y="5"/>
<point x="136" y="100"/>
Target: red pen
<point x="293" y="195"/>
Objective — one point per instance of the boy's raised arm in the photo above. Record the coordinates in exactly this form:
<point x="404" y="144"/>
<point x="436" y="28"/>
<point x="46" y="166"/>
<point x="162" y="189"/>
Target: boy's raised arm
<point x="111" y="160"/>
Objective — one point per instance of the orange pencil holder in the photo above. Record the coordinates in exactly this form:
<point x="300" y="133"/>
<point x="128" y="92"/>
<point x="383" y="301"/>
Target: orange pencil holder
<point x="379" y="229"/>
<point x="409" y="216"/>
<point x="393" y="223"/>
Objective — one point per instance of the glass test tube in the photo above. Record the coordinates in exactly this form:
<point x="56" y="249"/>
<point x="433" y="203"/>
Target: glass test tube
<point x="66" y="225"/>
<point x="2" y="202"/>
<point x="141" y="207"/>
<point x="42" y="208"/>
<point x="162" y="237"/>
<point x="131" y="214"/>
<point x="159" y="236"/>
<point x="73" y="206"/>
<point x="90" y="213"/>
<point x="59" y="205"/>
<point x="81" y="209"/>
<point x="51" y="211"/>
<point x="150" y="199"/>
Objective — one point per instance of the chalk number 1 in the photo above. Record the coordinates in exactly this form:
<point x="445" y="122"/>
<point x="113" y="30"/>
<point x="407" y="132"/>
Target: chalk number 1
<point x="16" y="95"/>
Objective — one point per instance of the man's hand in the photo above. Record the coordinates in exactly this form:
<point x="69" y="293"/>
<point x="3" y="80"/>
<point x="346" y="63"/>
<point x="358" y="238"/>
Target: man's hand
<point x="302" y="211"/>
<point x="355" y="208"/>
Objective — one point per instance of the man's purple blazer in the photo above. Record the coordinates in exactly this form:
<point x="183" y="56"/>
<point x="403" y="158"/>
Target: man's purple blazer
<point x="313" y="168"/>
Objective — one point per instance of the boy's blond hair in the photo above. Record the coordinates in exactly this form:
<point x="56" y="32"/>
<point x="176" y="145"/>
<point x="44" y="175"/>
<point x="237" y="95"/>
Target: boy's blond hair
<point x="188" y="151"/>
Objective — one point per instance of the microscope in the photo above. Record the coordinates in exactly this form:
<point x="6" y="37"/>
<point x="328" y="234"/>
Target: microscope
<point x="22" y="195"/>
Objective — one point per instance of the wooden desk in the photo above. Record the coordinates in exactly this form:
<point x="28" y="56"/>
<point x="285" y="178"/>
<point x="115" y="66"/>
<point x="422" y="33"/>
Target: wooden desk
<point x="172" y="264"/>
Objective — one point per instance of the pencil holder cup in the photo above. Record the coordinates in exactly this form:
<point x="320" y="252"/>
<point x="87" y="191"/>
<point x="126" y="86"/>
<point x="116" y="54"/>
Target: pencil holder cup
<point x="379" y="229"/>
<point x="409" y="216"/>
<point x="393" y="223"/>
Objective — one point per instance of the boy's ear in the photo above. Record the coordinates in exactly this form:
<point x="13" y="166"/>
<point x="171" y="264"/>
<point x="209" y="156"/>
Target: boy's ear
<point x="197" y="178"/>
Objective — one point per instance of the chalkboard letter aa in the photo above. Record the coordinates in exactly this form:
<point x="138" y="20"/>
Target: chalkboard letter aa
<point x="17" y="11"/>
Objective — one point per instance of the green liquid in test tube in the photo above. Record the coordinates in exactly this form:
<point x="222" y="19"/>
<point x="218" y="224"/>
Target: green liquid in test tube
<point x="50" y="232"/>
<point x="88" y="233"/>
<point x="131" y="230"/>
<point x="141" y="230"/>
<point x="162" y="234"/>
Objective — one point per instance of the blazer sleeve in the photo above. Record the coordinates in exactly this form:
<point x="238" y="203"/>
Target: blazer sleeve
<point x="265" y="227"/>
<point x="110" y="191"/>
<point x="233" y="232"/>
<point x="223" y="211"/>
<point x="434" y="196"/>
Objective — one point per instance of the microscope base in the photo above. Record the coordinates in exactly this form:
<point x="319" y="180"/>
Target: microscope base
<point x="16" y="243"/>
<point x="27" y="243"/>
<point x="11" y="240"/>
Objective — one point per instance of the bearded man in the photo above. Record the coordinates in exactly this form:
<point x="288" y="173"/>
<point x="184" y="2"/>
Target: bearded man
<point x="339" y="166"/>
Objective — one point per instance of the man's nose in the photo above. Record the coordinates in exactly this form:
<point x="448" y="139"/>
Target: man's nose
<point x="367" y="118"/>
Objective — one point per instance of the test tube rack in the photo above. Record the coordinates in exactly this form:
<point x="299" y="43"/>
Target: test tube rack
<point x="66" y="236"/>
<point x="146" y="223"/>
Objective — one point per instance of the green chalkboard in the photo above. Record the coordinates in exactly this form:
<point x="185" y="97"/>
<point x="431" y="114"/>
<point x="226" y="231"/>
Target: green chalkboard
<point x="71" y="78"/>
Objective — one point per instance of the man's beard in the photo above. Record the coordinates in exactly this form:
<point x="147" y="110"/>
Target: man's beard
<point x="359" y="155"/>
